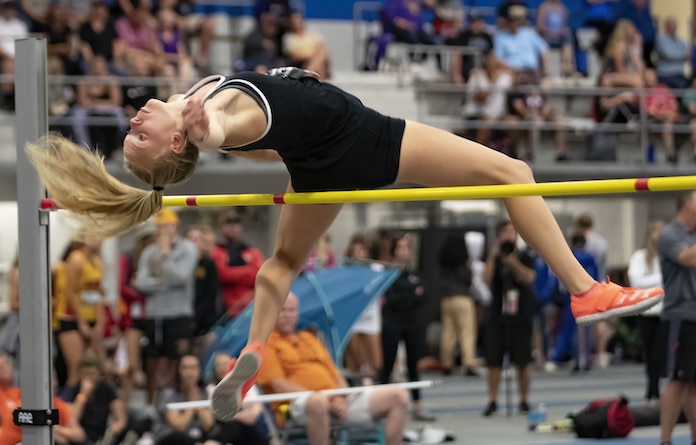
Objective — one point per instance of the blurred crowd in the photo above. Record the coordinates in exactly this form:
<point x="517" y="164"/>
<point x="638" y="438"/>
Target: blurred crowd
<point x="508" y="65"/>
<point x="118" y="365"/>
<point x="130" y="51"/>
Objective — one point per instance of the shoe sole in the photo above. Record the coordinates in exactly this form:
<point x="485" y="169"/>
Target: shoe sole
<point x="226" y="397"/>
<point x="635" y="309"/>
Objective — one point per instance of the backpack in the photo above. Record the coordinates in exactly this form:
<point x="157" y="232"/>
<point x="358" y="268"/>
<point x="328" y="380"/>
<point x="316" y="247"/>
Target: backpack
<point x="604" y="419"/>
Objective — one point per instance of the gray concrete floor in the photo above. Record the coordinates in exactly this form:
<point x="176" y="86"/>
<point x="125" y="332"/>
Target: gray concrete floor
<point x="459" y="402"/>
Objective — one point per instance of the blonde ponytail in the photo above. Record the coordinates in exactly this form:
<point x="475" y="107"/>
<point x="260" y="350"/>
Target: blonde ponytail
<point x="77" y="180"/>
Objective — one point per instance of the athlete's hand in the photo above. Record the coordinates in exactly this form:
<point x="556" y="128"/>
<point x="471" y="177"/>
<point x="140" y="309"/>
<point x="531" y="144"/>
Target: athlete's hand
<point x="196" y="121"/>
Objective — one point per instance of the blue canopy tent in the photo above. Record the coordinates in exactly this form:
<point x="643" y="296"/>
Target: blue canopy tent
<point x="331" y="301"/>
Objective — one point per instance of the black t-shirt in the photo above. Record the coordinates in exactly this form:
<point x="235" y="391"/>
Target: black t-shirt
<point x="102" y="42"/>
<point x="95" y="415"/>
<point x="505" y="289"/>
<point x="401" y="300"/>
<point x="483" y="41"/>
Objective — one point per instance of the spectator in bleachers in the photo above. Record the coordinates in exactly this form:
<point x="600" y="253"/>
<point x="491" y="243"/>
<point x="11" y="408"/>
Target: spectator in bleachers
<point x="502" y="11"/>
<point x="261" y="50"/>
<point x="614" y="108"/>
<point x="485" y="97"/>
<point x="195" y="21"/>
<point x="519" y="47"/>
<point x="177" y="63"/>
<point x="135" y="95"/>
<point x="306" y="49"/>
<point x="132" y="304"/>
<point x="243" y="428"/>
<point x="80" y="305"/>
<point x="237" y="264"/>
<point x="552" y="26"/>
<point x="671" y="52"/>
<point x="183" y="426"/>
<point x="404" y="19"/>
<point x="476" y="37"/>
<point x="689" y="101"/>
<point x="99" y="97"/>
<point x="99" y="38"/>
<point x="531" y="106"/>
<point x="94" y="402"/>
<point x="165" y="275"/>
<point x="297" y="361"/>
<point x="56" y="25"/>
<point x="638" y="12"/>
<point x="661" y="106"/>
<point x="11" y="27"/>
<point x="447" y="22"/>
<point x="624" y="56"/>
<point x="61" y="97"/>
<point x="279" y="10"/>
<point x="599" y="14"/>
<point x="139" y="38"/>
<point x="207" y="306"/>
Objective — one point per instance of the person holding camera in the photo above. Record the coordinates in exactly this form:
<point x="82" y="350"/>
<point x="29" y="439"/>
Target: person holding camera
<point x="510" y="274"/>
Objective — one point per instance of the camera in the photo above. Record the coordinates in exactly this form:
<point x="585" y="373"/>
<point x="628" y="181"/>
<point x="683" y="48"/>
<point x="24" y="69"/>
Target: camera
<point x="507" y="247"/>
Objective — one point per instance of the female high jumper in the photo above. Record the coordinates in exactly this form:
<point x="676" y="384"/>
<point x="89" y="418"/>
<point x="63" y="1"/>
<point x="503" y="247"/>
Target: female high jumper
<point x="329" y="141"/>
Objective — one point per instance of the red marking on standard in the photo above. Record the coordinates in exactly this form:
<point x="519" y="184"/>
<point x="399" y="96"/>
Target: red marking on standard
<point x="191" y="201"/>
<point x="642" y="185"/>
<point x="48" y="204"/>
<point x="279" y="198"/>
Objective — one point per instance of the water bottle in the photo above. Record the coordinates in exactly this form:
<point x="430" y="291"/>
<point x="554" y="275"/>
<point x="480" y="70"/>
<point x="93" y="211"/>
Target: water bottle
<point x="541" y="413"/>
<point x="532" y="420"/>
<point x="536" y="416"/>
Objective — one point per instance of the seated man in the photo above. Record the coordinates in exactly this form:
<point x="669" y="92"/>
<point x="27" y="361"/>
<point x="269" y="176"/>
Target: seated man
<point x="297" y="361"/>
<point x="67" y="432"/>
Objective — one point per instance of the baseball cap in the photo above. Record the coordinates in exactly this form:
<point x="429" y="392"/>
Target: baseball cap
<point x="166" y="216"/>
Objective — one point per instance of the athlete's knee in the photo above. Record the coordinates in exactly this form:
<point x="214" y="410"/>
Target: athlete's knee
<point x="287" y="260"/>
<point x="519" y="172"/>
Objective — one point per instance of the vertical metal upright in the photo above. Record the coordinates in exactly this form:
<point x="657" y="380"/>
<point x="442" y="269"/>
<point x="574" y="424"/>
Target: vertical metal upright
<point x="34" y="296"/>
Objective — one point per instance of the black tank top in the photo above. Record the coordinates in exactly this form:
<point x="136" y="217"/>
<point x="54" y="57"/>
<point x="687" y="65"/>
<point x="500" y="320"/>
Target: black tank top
<point x="311" y="124"/>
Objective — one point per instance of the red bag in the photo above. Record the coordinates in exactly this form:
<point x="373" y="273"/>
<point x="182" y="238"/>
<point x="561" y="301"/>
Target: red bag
<point x="604" y="419"/>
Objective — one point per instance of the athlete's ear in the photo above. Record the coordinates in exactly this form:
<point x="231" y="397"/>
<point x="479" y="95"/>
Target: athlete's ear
<point x="178" y="143"/>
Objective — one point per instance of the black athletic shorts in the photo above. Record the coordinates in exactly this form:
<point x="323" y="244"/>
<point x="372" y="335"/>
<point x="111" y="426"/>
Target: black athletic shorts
<point x="515" y="340"/>
<point x="370" y="163"/>
<point x="163" y="336"/>
<point x="71" y="325"/>
<point x="681" y="351"/>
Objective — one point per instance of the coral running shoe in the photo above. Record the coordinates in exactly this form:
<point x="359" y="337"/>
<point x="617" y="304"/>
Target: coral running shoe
<point x="226" y="399"/>
<point x="606" y="300"/>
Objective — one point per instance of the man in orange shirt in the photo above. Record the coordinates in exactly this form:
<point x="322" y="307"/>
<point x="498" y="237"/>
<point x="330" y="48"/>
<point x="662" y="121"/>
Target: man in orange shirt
<point x="297" y="361"/>
<point x="67" y="432"/>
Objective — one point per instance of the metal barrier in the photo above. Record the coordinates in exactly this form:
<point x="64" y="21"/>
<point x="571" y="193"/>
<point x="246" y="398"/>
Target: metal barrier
<point x="643" y="126"/>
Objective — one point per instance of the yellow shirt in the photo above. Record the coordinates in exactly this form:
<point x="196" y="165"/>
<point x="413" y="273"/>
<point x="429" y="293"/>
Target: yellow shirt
<point x="88" y="290"/>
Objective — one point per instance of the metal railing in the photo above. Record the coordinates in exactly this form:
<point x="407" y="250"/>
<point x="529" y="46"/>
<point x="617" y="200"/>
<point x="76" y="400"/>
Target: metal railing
<point x="642" y="125"/>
